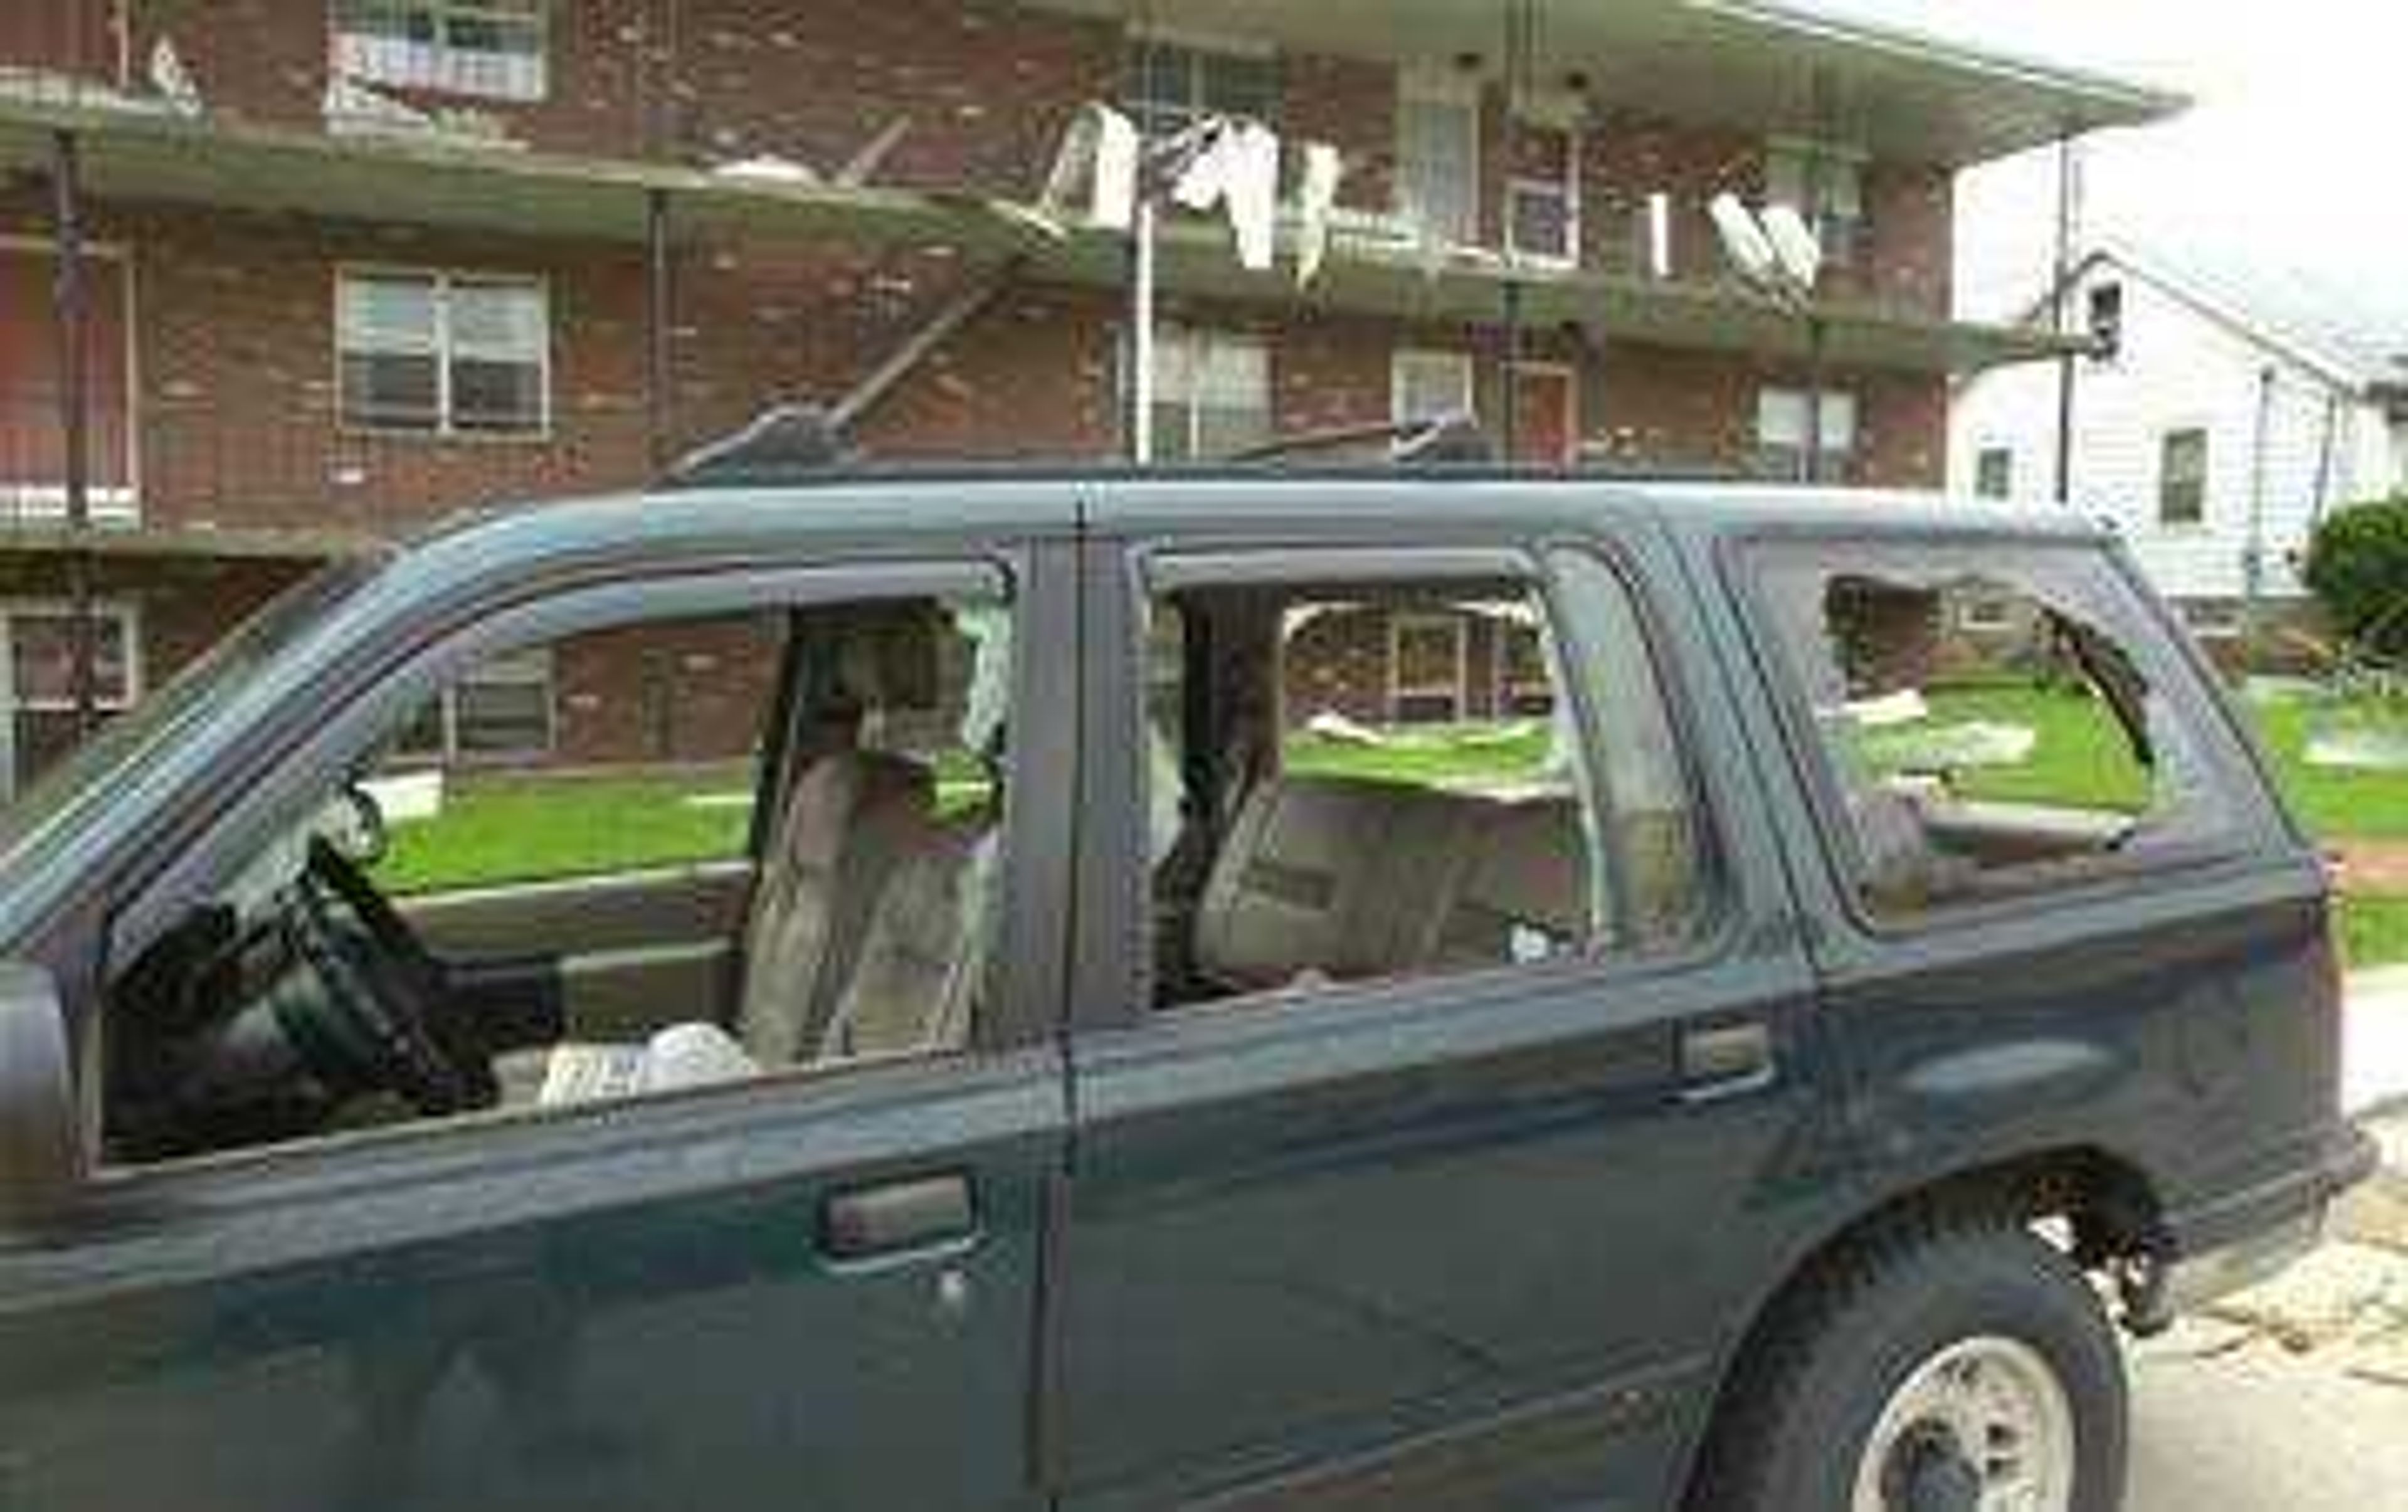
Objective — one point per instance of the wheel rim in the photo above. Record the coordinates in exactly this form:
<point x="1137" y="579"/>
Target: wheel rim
<point x="1983" y="1426"/>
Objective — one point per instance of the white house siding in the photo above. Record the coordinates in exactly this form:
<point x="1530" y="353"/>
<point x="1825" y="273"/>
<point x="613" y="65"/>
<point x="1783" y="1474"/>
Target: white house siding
<point x="2178" y="368"/>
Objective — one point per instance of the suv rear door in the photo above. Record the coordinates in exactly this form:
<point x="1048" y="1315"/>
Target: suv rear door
<point x="1471" y="1240"/>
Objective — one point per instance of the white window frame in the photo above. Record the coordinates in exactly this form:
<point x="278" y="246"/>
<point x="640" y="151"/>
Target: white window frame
<point x="535" y="665"/>
<point x="441" y="65"/>
<point x="1459" y="693"/>
<point x="1181" y="355"/>
<point x="1454" y="370"/>
<point x="2205" y="520"/>
<point x="444" y="350"/>
<point x="1841" y="414"/>
<point x="30" y="501"/>
<point x="1199" y="50"/>
<point x="1567" y="190"/>
<point x="1505" y="690"/>
<point x="125" y="613"/>
<point x="1982" y="455"/>
<point x="1991" y="614"/>
<point x="1833" y="173"/>
<point x="1426" y="90"/>
<point x="2117" y="289"/>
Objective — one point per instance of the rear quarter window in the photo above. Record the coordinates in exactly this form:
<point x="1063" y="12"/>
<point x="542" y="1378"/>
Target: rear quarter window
<point x="1985" y="720"/>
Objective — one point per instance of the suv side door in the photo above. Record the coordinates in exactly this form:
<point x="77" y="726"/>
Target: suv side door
<point x="768" y="1295"/>
<point x="1479" y="1240"/>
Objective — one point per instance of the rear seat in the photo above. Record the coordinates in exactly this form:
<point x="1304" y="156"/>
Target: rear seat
<point x="1349" y="878"/>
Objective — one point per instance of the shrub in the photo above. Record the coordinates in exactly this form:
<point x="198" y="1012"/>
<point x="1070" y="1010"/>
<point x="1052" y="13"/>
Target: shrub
<point x="2358" y="568"/>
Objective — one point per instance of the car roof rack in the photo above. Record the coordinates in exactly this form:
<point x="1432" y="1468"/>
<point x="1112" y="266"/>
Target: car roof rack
<point x="774" y="446"/>
<point x="1451" y="439"/>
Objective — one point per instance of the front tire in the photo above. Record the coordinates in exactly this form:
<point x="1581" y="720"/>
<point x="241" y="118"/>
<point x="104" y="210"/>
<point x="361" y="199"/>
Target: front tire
<point x="1941" y="1365"/>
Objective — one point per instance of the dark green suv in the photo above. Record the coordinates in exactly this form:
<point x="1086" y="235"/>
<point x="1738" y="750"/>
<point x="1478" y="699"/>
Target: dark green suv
<point x="917" y="992"/>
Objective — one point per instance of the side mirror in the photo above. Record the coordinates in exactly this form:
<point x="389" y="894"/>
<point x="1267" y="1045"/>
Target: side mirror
<point x="41" y="1121"/>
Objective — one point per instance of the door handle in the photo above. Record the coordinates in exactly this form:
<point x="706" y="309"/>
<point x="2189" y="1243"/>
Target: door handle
<point x="1726" y="1062"/>
<point x="902" y="1219"/>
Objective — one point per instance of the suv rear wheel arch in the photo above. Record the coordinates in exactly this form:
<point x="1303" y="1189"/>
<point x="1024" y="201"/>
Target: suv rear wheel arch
<point x="2105" y="1212"/>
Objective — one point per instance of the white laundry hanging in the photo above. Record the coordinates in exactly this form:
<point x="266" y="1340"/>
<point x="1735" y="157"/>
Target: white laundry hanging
<point x="1239" y="169"/>
<point x="1324" y="168"/>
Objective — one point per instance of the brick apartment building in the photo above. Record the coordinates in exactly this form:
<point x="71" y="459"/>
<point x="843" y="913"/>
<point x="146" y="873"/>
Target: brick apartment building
<point x="352" y="264"/>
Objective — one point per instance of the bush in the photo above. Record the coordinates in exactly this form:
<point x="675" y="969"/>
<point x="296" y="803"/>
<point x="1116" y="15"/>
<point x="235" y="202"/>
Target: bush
<point x="2358" y="567"/>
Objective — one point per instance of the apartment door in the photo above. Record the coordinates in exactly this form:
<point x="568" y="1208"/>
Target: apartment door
<point x="1546" y="425"/>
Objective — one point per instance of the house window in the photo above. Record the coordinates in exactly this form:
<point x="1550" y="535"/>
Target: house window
<point x="1173" y="85"/>
<point x="41" y="658"/>
<point x="2107" y="321"/>
<point x="444" y="353"/>
<point x="1211" y="394"/>
<point x="500" y="709"/>
<point x="1437" y="164"/>
<point x="2182" y="478"/>
<point x="489" y="48"/>
<point x="1542" y="194"/>
<point x="1426" y="386"/>
<point x="1781" y="429"/>
<point x="1428" y="664"/>
<point x="1994" y="473"/>
<point x="1525" y="683"/>
<point x="1825" y="185"/>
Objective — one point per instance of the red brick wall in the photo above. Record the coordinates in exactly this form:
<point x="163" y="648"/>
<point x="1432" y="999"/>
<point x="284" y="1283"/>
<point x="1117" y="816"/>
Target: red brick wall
<point x="77" y="38"/>
<point x="685" y="692"/>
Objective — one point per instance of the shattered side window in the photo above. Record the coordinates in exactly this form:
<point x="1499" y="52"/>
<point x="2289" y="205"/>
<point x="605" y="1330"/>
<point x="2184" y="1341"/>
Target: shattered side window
<point x="1995" y="721"/>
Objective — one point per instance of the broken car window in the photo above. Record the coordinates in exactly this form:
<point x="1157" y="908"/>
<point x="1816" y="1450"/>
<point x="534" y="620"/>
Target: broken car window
<point x="1989" y="727"/>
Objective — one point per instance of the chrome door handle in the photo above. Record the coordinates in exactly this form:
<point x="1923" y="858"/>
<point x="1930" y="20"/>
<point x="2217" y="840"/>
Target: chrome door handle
<point x="1726" y="1060"/>
<point x="898" y="1219"/>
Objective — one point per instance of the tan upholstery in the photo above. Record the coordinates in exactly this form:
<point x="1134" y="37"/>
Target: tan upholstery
<point x="1347" y="878"/>
<point x="1521" y="889"/>
<point x="845" y="824"/>
<point x="911" y="990"/>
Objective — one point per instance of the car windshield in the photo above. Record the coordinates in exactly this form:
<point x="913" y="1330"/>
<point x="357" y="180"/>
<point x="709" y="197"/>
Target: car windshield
<point x="129" y="743"/>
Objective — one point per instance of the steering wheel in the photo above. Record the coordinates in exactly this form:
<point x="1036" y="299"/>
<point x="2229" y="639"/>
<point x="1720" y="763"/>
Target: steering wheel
<point x="384" y="988"/>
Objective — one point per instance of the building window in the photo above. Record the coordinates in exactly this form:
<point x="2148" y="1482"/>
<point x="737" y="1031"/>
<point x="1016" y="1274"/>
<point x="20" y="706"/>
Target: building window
<point x="1173" y="85"/>
<point x="2107" y="321"/>
<point x="1994" y="473"/>
<point x="444" y="353"/>
<point x="1542" y="194"/>
<point x="491" y="49"/>
<point x="1825" y="185"/>
<point x="1428" y="665"/>
<point x="500" y="709"/>
<point x="2182" y="478"/>
<point x="1211" y="394"/>
<point x="1437" y="164"/>
<point x="1425" y="386"/>
<point x="1780" y="428"/>
<point x="1524" y="682"/>
<point x="38" y="683"/>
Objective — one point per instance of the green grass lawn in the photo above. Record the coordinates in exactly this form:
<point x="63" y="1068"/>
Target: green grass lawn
<point x="2374" y="930"/>
<point x="523" y="829"/>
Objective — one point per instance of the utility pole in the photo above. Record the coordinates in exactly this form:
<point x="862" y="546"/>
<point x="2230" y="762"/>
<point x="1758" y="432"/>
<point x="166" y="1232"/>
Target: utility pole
<point x="74" y="425"/>
<point x="2069" y="210"/>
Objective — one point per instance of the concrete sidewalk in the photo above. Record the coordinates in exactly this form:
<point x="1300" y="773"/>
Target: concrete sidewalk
<point x="2374" y="1043"/>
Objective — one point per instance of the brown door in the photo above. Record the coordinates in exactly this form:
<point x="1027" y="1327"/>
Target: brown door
<point x="33" y="449"/>
<point x="1543" y="429"/>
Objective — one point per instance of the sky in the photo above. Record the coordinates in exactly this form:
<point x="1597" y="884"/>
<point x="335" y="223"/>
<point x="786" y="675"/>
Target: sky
<point x="2291" y="155"/>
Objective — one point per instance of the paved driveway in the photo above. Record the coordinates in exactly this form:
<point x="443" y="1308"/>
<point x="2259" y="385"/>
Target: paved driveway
<point x="2262" y="1430"/>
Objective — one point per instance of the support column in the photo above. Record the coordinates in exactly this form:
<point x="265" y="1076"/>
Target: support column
<point x="1509" y="387"/>
<point x="660" y="324"/>
<point x="2067" y="202"/>
<point x="75" y="422"/>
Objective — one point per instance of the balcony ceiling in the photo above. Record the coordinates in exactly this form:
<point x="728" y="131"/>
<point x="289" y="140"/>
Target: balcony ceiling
<point x="135" y="158"/>
<point x="1756" y="65"/>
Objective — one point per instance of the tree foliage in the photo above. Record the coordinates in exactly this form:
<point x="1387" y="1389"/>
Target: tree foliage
<point x="2358" y="567"/>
